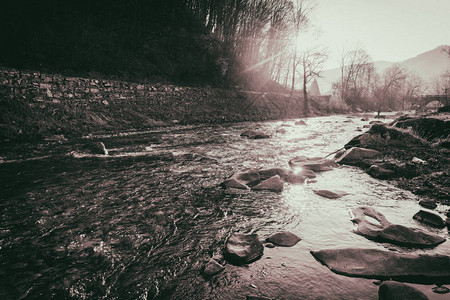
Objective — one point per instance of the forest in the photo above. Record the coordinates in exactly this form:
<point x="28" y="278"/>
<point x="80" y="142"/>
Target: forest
<point x="190" y="41"/>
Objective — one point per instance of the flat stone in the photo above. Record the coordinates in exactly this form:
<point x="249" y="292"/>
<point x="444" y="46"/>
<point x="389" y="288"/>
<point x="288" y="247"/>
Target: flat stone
<point x="316" y="164"/>
<point x="390" y="290"/>
<point x="234" y="183"/>
<point x="296" y="179"/>
<point x="385" y="231"/>
<point x="429" y="219"/>
<point x="243" y="248"/>
<point x="379" y="264"/>
<point x="285" y="239"/>
<point x="274" y="183"/>
<point x="330" y="194"/>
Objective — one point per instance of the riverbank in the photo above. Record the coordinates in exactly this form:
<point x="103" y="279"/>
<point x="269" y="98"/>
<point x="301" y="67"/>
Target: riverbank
<point x="415" y="154"/>
<point x="37" y="105"/>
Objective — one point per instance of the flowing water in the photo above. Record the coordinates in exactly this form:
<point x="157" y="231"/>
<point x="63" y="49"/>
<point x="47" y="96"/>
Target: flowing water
<point x="141" y="222"/>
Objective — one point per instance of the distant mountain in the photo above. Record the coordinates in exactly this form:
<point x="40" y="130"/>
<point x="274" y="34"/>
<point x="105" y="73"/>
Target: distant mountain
<point x="427" y="65"/>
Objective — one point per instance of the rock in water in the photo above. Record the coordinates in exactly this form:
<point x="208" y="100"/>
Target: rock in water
<point x="274" y="183"/>
<point x="316" y="164"/>
<point x="380" y="172"/>
<point x="285" y="239"/>
<point x="330" y="194"/>
<point x="252" y="134"/>
<point x="212" y="268"/>
<point x="243" y="249"/>
<point x="430" y="204"/>
<point x="390" y="290"/>
<point x="429" y="219"/>
<point x="355" y="155"/>
<point x="95" y="148"/>
<point x="379" y="264"/>
<point x="387" y="232"/>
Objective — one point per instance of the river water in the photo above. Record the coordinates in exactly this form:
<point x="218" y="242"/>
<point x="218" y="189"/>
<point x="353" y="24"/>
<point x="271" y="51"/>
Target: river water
<point x="141" y="222"/>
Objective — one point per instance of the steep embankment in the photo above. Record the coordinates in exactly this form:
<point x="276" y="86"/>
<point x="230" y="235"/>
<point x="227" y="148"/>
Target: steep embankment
<point x="36" y="105"/>
<point x="414" y="154"/>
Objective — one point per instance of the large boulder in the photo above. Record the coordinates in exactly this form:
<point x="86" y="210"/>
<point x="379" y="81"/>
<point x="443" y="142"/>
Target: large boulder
<point x="285" y="239"/>
<point x="243" y="248"/>
<point x="356" y="155"/>
<point x="385" y="231"/>
<point x="379" y="264"/>
<point x="391" y="290"/>
<point x="274" y="183"/>
<point x="429" y="218"/>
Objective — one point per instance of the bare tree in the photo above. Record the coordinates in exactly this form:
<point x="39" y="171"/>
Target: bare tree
<point x="300" y="19"/>
<point x="311" y="61"/>
<point x="357" y="74"/>
<point x="391" y="89"/>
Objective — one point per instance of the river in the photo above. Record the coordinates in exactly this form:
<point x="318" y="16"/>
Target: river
<point x="141" y="222"/>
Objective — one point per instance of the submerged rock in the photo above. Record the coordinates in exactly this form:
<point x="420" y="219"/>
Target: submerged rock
<point x="211" y="268"/>
<point x="243" y="248"/>
<point x="440" y="290"/>
<point x="300" y="122"/>
<point x="390" y="290"/>
<point x="253" y="134"/>
<point x="379" y="264"/>
<point x="384" y="231"/>
<point x="285" y="239"/>
<point x="429" y="219"/>
<point x="316" y="164"/>
<point x="330" y="194"/>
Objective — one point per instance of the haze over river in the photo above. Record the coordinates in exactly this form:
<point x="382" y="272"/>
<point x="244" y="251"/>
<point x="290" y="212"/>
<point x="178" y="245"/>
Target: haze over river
<point x="141" y="222"/>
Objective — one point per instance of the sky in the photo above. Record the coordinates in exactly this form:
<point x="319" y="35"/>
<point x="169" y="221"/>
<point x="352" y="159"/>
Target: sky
<point x="390" y="30"/>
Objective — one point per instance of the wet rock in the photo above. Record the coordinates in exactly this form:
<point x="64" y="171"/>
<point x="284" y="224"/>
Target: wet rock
<point x="390" y="290"/>
<point x="379" y="264"/>
<point x="430" y="204"/>
<point x="242" y="248"/>
<point x="429" y="219"/>
<point x="212" y="268"/>
<point x="301" y="122"/>
<point x="241" y="179"/>
<point x="365" y="119"/>
<point x="267" y="173"/>
<point x="257" y="298"/>
<point x="281" y="131"/>
<point x="380" y="172"/>
<point x="95" y="148"/>
<point x="316" y="164"/>
<point x="384" y="231"/>
<point x="355" y="155"/>
<point x="440" y="290"/>
<point x="285" y="239"/>
<point x="305" y="173"/>
<point x="418" y="161"/>
<point x="447" y="222"/>
<point x="295" y="179"/>
<point x="274" y="183"/>
<point x="234" y="183"/>
<point x="329" y="194"/>
<point x="252" y="134"/>
<point x="269" y="245"/>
